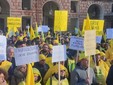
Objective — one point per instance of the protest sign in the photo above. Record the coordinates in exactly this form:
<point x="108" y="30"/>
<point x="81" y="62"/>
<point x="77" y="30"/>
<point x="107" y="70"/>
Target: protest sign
<point x="76" y="43"/>
<point x="95" y="25"/>
<point x="59" y="53"/>
<point x="98" y="39"/>
<point x="60" y="21"/>
<point x="3" y="44"/>
<point x="43" y="28"/>
<point x="90" y="42"/>
<point x="14" y="22"/>
<point x="26" y="55"/>
<point x="109" y="33"/>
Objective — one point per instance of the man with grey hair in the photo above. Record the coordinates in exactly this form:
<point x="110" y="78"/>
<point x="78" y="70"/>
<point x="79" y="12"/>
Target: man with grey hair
<point x="10" y="58"/>
<point x="79" y="76"/>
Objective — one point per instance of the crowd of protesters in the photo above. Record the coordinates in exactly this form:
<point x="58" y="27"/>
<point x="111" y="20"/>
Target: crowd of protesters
<point x="73" y="71"/>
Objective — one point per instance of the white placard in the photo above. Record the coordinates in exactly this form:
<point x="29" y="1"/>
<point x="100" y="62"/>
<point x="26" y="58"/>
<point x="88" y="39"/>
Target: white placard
<point x="90" y="42"/>
<point x="98" y="39"/>
<point x="77" y="43"/>
<point x="43" y="28"/>
<point x="59" y="53"/>
<point x="26" y="55"/>
<point x="109" y="33"/>
<point x="3" y="44"/>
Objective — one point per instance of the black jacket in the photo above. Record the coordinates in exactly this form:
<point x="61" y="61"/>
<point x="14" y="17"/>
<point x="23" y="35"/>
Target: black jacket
<point x="109" y="79"/>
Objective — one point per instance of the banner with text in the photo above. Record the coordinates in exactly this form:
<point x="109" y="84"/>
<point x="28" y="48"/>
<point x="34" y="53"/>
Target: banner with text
<point x="90" y="42"/>
<point x="3" y="44"/>
<point x="60" y="21"/>
<point x="76" y="43"/>
<point x="95" y="25"/>
<point x="26" y="55"/>
<point x="14" y="22"/>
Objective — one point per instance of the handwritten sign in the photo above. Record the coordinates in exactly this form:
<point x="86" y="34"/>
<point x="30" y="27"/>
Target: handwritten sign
<point x="3" y="44"/>
<point x="14" y="22"/>
<point x="59" y="53"/>
<point x="90" y="42"/>
<point x="76" y="43"/>
<point x="109" y="33"/>
<point x="95" y="25"/>
<point x="26" y="55"/>
<point x="61" y="19"/>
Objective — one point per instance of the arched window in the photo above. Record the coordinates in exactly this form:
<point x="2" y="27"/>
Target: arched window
<point x="95" y="12"/>
<point x="26" y="4"/>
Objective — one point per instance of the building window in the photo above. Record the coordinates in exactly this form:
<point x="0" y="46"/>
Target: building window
<point x="112" y="8"/>
<point x="73" y="6"/>
<point x="74" y="23"/>
<point x="26" y="21"/>
<point x="26" y="4"/>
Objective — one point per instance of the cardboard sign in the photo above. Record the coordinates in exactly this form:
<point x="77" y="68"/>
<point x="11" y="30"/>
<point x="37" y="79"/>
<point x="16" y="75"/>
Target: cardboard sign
<point x="90" y="42"/>
<point x="95" y="25"/>
<point x="26" y="55"/>
<point x="3" y="44"/>
<point x="61" y="19"/>
<point x="76" y="43"/>
<point x="14" y="22"/>
<point x="59" y="53"/>
<point x="109" y="33"/>
<point x="43" y="28"/>
<point x="98" y="39"/>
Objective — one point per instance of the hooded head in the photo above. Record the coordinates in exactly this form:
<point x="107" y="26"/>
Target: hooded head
<point x="37" y="75"/>
<point x="98" y="57"/>
<point x="54" y="70"/>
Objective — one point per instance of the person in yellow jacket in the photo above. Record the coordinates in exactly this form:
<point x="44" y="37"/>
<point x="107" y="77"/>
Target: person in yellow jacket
<point x="103" y="57"/>
<point x="53" y="76"/>
<point x="37" y="76"/>
<point x="101" y="68"/>
<point x="5" y="65"/>
<point x="49" y="57"/>
<point x="109" y="52"/>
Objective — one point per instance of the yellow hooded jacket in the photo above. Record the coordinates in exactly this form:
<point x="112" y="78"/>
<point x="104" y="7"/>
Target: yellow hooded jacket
<point x="109" y="52"/>
<point x="53" y="70"/>
<point x="36" y="72"/>
<point x="5" y="65"/>
<point x="55" y="81"/>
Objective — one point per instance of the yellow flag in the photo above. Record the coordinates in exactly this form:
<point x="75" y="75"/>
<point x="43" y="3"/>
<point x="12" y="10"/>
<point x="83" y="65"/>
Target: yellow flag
<point x="24" y="33"/>
<point x="58" y="38"/>
<point x="32" y="34"/>
<point x="15" y="29"/>
<point x="87" y="26"/>
<point x="30" y="76"/>
<point x="9" y="30"/>
<point x="36" y="30"/>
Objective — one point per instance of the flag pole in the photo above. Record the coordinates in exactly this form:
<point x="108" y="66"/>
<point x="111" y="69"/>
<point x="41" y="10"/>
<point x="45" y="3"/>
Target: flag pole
<point x="59" y="65"/>
<point x="77" y="56"/>
<point x="89" y="69"/>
